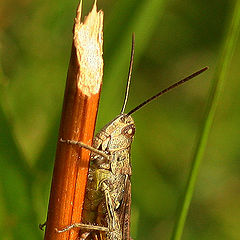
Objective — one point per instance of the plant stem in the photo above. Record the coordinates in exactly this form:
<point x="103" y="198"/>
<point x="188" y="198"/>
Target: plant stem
<point x="77" y="123"/>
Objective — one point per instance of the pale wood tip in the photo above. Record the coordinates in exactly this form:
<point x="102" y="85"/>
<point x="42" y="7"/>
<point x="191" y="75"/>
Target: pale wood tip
<point x="88" y="40"/>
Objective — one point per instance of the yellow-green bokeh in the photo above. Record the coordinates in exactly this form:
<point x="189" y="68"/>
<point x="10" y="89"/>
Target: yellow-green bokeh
<point x="173" y="39"/>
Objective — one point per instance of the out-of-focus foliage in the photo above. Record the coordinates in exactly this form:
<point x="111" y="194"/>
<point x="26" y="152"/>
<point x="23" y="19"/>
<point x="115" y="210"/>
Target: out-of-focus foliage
<point x="173" y="39"/>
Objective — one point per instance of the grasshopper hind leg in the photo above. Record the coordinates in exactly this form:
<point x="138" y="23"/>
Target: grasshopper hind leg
<point x="83" y="226"/>
<point x="84" y="235"/>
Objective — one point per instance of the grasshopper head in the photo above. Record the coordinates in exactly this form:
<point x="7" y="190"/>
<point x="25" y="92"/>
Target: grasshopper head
<point x="119" y="132"/>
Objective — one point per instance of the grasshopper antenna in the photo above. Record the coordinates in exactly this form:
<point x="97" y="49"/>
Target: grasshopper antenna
<point x="167" y="89"/>
<point x="129" y="75"/>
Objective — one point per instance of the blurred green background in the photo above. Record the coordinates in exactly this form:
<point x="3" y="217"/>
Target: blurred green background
<point x="173" y="39"/>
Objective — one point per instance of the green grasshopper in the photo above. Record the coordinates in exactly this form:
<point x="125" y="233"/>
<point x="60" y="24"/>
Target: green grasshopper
<point x="106" y="211"/>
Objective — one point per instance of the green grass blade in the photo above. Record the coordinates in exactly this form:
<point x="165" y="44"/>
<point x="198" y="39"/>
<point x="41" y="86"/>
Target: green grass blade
<point x="219" y="77"/>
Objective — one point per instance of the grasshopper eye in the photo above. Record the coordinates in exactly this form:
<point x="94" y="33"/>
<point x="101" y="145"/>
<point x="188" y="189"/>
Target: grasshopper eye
<point x="129" y="130"/>
<point x="123" y="119"/>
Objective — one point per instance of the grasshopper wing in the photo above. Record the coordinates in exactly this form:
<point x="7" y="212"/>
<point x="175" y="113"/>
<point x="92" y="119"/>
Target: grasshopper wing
<point x="125" y="211"/>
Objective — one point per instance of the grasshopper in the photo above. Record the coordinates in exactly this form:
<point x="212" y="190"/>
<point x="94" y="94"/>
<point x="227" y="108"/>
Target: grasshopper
<point x="106" y="211"/>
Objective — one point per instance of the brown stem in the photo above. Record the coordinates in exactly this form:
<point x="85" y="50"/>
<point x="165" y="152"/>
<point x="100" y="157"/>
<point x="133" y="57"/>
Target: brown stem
<point x="77" y="123"/>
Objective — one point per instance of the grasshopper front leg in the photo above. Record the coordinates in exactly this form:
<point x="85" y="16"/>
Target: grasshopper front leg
<point x="81" y="144"/>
